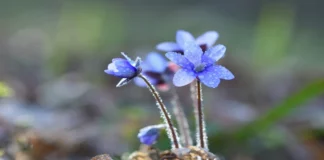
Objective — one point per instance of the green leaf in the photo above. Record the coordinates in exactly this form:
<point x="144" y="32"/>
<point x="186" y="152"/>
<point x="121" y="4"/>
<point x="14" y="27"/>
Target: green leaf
<point x="283" y="109"/>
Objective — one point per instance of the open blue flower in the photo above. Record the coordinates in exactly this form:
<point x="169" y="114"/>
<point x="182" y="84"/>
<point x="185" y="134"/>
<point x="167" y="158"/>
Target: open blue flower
<point x="127" y="69"/>
<point x="155" y="68"/>
<point x="205" y="41"/>
<point x="197" y="64"/>
<point x="148" y="135"/>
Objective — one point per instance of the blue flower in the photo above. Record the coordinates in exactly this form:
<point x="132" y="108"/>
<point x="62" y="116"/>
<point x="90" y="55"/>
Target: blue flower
<point x="127" y="69"/>
<point x="197" y="64"/>
<point x="156" y="68"/>
<point x="205" y="41"/>
<point x="148" y="135"/>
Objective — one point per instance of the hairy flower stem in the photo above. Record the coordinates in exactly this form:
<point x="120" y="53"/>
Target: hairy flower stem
<point x="194" y="100"/>
<point x="201" y="130"/>
<point x="181" y="119"/>
<point x="165" y="114"/>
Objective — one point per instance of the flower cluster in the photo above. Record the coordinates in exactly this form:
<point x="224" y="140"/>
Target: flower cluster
<point x="191" y="59"/>
<point x="196" y="57"/>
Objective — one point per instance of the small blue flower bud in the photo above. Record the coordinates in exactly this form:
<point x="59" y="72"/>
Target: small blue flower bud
<point x="148" y="135"/>
<point x="124" y="68"/>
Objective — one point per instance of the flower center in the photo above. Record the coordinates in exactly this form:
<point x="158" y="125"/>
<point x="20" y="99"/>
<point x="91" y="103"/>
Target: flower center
<point x="200" y="67"/>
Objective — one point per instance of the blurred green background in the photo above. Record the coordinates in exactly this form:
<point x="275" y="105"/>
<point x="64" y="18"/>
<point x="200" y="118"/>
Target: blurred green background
<point x="53" y="88"/>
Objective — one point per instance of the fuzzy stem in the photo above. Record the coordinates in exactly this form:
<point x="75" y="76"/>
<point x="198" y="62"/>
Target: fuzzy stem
<point x="201" y="130"/>
<point x="165" y="114"/>
<point x="181" y="121"/>
<point x="194" y="101"/>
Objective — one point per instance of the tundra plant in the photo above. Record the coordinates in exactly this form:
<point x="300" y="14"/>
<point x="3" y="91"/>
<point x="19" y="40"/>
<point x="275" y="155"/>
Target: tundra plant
<point x="192" y="61"/>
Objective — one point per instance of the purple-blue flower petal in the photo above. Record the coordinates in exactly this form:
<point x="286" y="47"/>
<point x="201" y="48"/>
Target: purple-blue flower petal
<point x="123" y="82"/>
<point x="209" y="77"/>
<point x="120" y="62"/>
<point x="148" y="140"/>
<point x="183" y="77"/>
<point x="126" y="57"/>
<point x="222" y="72"/>
<point x="216" y="52"/>
<point x="182" y="37"/>
<point x="118" y="59"/>
<point x="207" y="61"/>
<point x="179" y="59"/>
<point x="193" y="53"/>
<point x="121" y="68"/>
<point x="137" y="62"/>
<point x="168" y="46"/>
<point x="208" y="38"/>
<point x="148" y="135"/>
<point x="140" y="82"/>
<point x="156" y="62"/>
